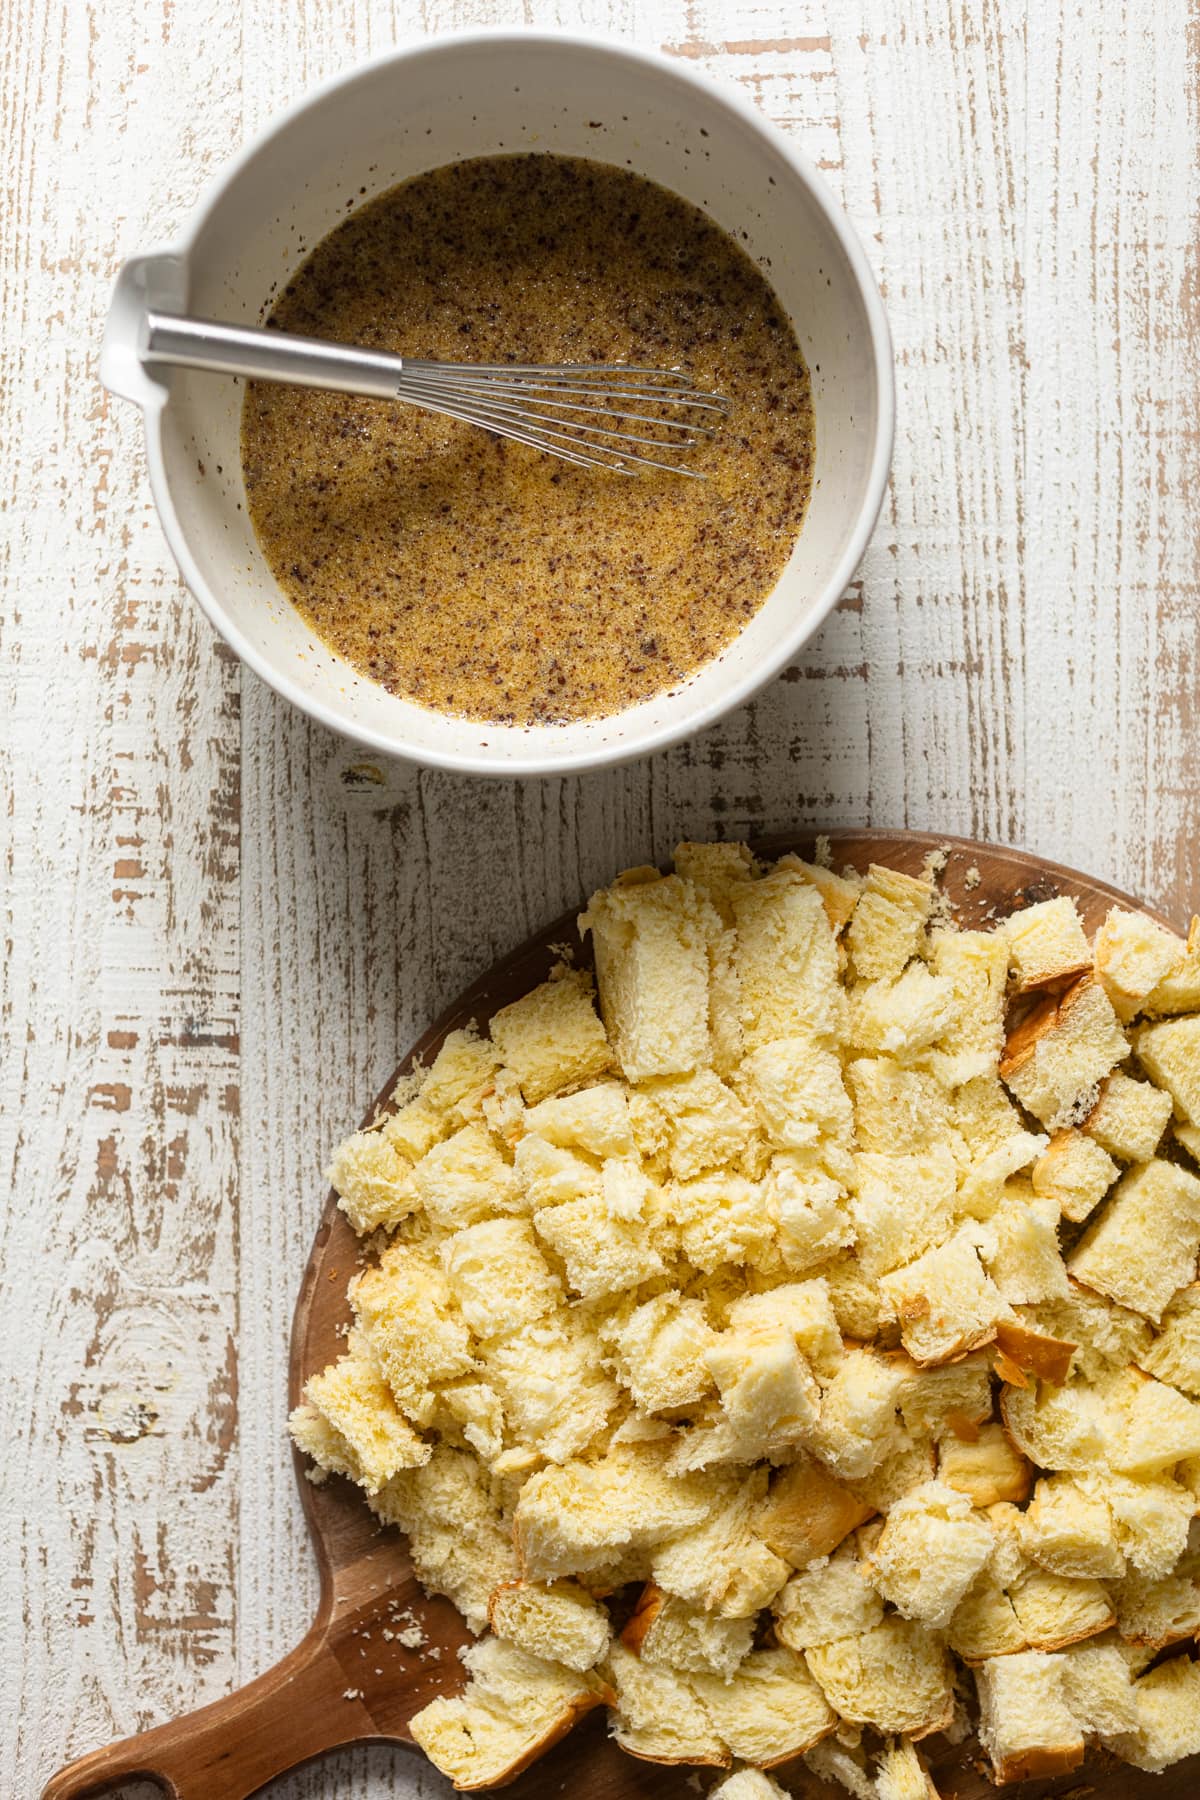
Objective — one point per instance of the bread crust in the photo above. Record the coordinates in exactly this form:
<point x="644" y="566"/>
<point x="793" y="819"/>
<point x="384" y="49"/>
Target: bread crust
<point x="1028" y="1765"/>
<point x="649" y="1605"/>
<point x="1035" y="1352"/>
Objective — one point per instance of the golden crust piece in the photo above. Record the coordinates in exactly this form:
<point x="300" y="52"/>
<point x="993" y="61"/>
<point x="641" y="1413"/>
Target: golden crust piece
<point x="808" y="1513"/>
<point x="1035" y="1352"/>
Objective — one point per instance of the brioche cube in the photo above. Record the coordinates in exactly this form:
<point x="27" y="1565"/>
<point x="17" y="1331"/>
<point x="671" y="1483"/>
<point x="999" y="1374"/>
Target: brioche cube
<point x="1188" y="1137"/>
<point x="1075" y="1172"/>
<point x="560" y="1622"/>
<point x="317" y="1439"/>
<point x="593" y="1119"/>
<point x="902" y="1018"/>
<point x="987" y="1470"/>
<point x="832" y="1599"/>
<point x="499" y="1277"/>
<point x="906" y="1463"/>
<point x="707" y="1125"/>
<point x="993" y="1178"/>
<point x="1055" y="1427"/>
<point x="1105" y="1336"/>
<point x="459" y="1544"/>
<point x="945" y="1301"/>
<point x="602" y="1254"/>
<point x="463" y="1068"/>
<point x="1129" y="1118"/>
<point x="1098" y="1684"/>
<point x="1142" y="1248"/>
<point x="572" y="1519"/>
<point x="796" y="1089"/>
<point x="1069" y="1531"/>
<point x="1056" y="1058"/>
<point x="1158" y="1426"/>
<point x="1156" y="1612"/>
<point x="1047" y="944"/>
<point x="786" y="961"/>
<point x="897" y="1110"/>
<point x="552" y="1039"/>
<point x="1025" y="1724"/>
<point x="888" y="927"/>
<point x="1056" y="1610"/>
<point x="557" y="1398"/>
<point x="465" y="1179"/>
<point x="901" y="1205"/>
<point x="659" y="1352"/>
<point x="901" y="1775"/>
<point x="839" y="893"/>
<point x="975" y="963"/>
<point x="414" y="1128"/>
<point x="373" y="1182"/>
<point x="770" y="1711"/>
<point x="1025" y="1262"/>
<point x="406" y="1311"/>
<point x="514" y="1708"/>
<point x="862" y="1312"/>
<point x="896" y="1677"/>
<point x="723" y="1219"/>
<point x="812" y="1221"/>
<point x="748" y="1784"/>
<point x="985" y="1623"/>
<point x="808" y="1513"/>
<point x="1170" y="1054"/>
<point x="802" y="1308"/>
<point x="1179" y="990"/>
<point x="550" y="1174"/>
<point x="667" y="1631"/>
<point x="1168" y="1716"/>
<point x="1174" y="1353"/>
<point x="1133" y="954"/>
<point x="1150" y="1515"/>
<point x="471" y="1412"/>
<point x="858" y="1413"/>
<point x="651" y="935"/>
<point x="955" y="1398"/>
<point x="930" y="1551"/>
<point x="657" y="1715"/>
<point x="716" y="871"/>
<point x="720" y="1564"/>
<point x="768" y="1391"/>
<point x="358" y="1403"/>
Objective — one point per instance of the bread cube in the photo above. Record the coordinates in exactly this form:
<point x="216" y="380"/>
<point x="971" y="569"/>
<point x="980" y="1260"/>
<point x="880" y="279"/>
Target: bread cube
<point x="465" y="1179"/>
<point x="1179" y="990"/>
<point x="552" y="1039"/>
<point x="462" y="1069"/>
<point x="857" y="1420"/>
<point x="906" y="1463"/>
<point x="901" y="1206"/>
<point x="796" y="1090"/>
<point x="723" y="1219"/>
<point x="470" y="1414"/>
<point x="667" y="1631"/>
<point x="1151" y="1516"/>
<point x="1142" y="1248"/>
<point x="459" y="1543"/>
<point x="888" y="927"/>
<point x="899" y="1111"/>
<point x="406" y="1311"/>
<point x="946" y="1303"/>
<point x="593" y="1119"/>
<point x="499" y="1277"/>
<point x="659" y="1352"/>
<point x="1174" y="1354"/>
<point x="707" y="1126"/>
<point x="808" y="1206"/>
<point x="1105" y="1336"/>
<point x="786" y="961"/>
<point x="768" y="1391"/>
<point x="557" y="1398"/>
<point x="748" y="1784"/>
<point x="373" y="1182"/>
<point x="1098" y="1683"/>
<point x="1158" y="1426"/>
<point x="1133" y="954"/>
<point x="1025" y="1723"/>
<point x="808" y="1513"/>
<point x="896" y="1677"/>
<point x="902" y="1018"/>
<point x="514" y="1708"/>
<point x="975" y="963"/>
<point x="716" y="871"/>
<point x="953" y="1399"/>
<point x="1188" y="1138"/>
<point x="1129" y="1118"/>
<point x="1168" y="1716"/>
<point x="573" y="1519"/>
<point x="832" y="1599"/>
<point x="930" y="1551"/>
<point x="317" y="1439"/>
<point x="1075" y="1171"/>
<point x="352" y="1395"/>
<point x="1056" y="1610"/>
<point x="559" y="1622"/>
<point x="1055" y="1060"/>
<point x="839" y="893"/>
<point x="901" y="1775"/>
<point x="415" y="1128"/>
<point x="1069" y="1531"/>
<point x="988" y="1470"/>
<point x="651" y="937"/>
<point x="721" y="1564"/>
<point x="1055" y="1427"/>
<point x="602" y="1254"/>
<point x="985" y="1623"/>
<point x="862" y="1311"/>
<point x="1170" y="1054"/>
<point x="1047" y="945"/>
<point x="549" y="1174"/>
<point x="1156" y="1612"/>
<point x="770" y="1711"/>
<point x="657" y="1715"/>
<point x="1026" y="1264"/>
<point x="801" y="1308"/>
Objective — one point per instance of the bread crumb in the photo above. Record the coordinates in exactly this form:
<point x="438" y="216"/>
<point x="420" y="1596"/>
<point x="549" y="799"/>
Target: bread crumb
<point x="972" y="878"/>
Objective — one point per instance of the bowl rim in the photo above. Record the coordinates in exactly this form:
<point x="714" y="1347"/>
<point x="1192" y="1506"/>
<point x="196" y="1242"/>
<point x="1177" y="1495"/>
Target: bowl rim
<point x="482" y="759"/>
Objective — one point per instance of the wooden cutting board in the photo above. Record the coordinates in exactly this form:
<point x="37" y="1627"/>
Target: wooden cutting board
<point x="347" y="1682"/>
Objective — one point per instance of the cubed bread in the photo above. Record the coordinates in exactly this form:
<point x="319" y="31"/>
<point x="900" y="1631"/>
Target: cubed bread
<point x="1047" y="945"/>
<point x="460" y="1544"/>
<point x="721" y="1564"/>
<point x="1142" y="1248"/>
<point x="901" y="1775"/>
<point x="557" y="1398"/>
<point x="325" y="1446"/>
<point x="987" y="1470"/>
<point x="1106" y="1336"/>
<point x="1075" y="1170"/>
<point x="352" y="1395"/>
<point x="1167" y="1699"/>
<point x="601" y="1254"/>
<point x="945" y="1301"/>
<point x="1056" y="1610"/>
<point x="715" y="871"/>
<point x="767" y="1388"/>
<point x="786" y="961"/>
<point x="1129" y="1118"/>
<point x="706" y="1125"/>
<point x="593" y="1119"/>
<point x="460" y="1072"/>
<point x="1055" y="1427"/>
<point x="499" y="1276"/>
<point x="559" y="1622"/>
<point x="657" y="1715"/>
<point x="651" y="935"/>
<point x="748" y="1784"/>
<point x="930" y="1550"/>
<point x="415" y="1127"/>
<point x="834" y="1598"/>
<point x="904" y="1017"/>
<point x="802" y="1308"/>
<point x="668" y="1631"/>
<point x="1174" y="1353"/>
<point x="1023" y="1256"/>
<point x="407" y="1312"/>
<point x="888" y="927"/>
<point x="1056" y="1058"/>
<point x="722" y="1219"/>
<point x="796" y="1089"/>
<point x="549" y="1174"/>
<point x="1098" y="1684"/>
<point x="1169" y="1051"/>
<point x="953" y="1399"/>
<point x="470" y="1415"/>
<point x="985" y="1623"/>
<point x="1155" y="1612"/>
<point x="843" y="1766"/>
<point x="1025" y="1723"/>
<point x="899" y="1111"/>
<point x="1151" y="1516"/>
<point x="514" y="1708"/>
<point x="1069" y="1531"/>
<point x="839" y="893"/>
<point x="896" y="1677"/>
<point x="975" y="963"/>
<point x="808" y="1513"/>
<point x="901" y="1205"/>
<point x="855" y="1429"/>
<point x="464" y="1179"/>
<point x="907" y="1462"/>
<point x="552" y="1039"/>
<point x="770" y="1711"/>
<point x="812" y="1219"/>
<point x="1179" y="990"/>
<point x="659" y="1352"/>
<point x="373" y="1182"/>
<point x="1158" y="1426"/>
<point x="1188" y="1138"/>
<point x="574" y="1518"/>
<point x="1133" y="953"/>
<point x="1035" y="1352"/>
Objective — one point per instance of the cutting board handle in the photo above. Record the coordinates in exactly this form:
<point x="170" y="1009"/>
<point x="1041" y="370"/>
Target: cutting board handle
<point x="228" y="1750"/>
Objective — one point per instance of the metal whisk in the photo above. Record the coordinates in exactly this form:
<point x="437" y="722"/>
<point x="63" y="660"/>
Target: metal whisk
<point x="577" y="411"/>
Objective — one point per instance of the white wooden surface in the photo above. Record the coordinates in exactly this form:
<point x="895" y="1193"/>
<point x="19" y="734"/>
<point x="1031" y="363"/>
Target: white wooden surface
<point x="222" y="926"/>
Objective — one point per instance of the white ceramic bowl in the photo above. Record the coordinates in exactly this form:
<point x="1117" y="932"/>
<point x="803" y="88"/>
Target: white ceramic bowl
<point x="476" y="94"/>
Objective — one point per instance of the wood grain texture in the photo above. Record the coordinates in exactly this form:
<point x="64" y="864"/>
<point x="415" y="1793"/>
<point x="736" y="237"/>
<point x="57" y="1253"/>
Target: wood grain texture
<point x="210" y="903"/>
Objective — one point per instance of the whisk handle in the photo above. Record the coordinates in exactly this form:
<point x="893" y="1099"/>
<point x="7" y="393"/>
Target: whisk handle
<point x="261" y="355"/>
